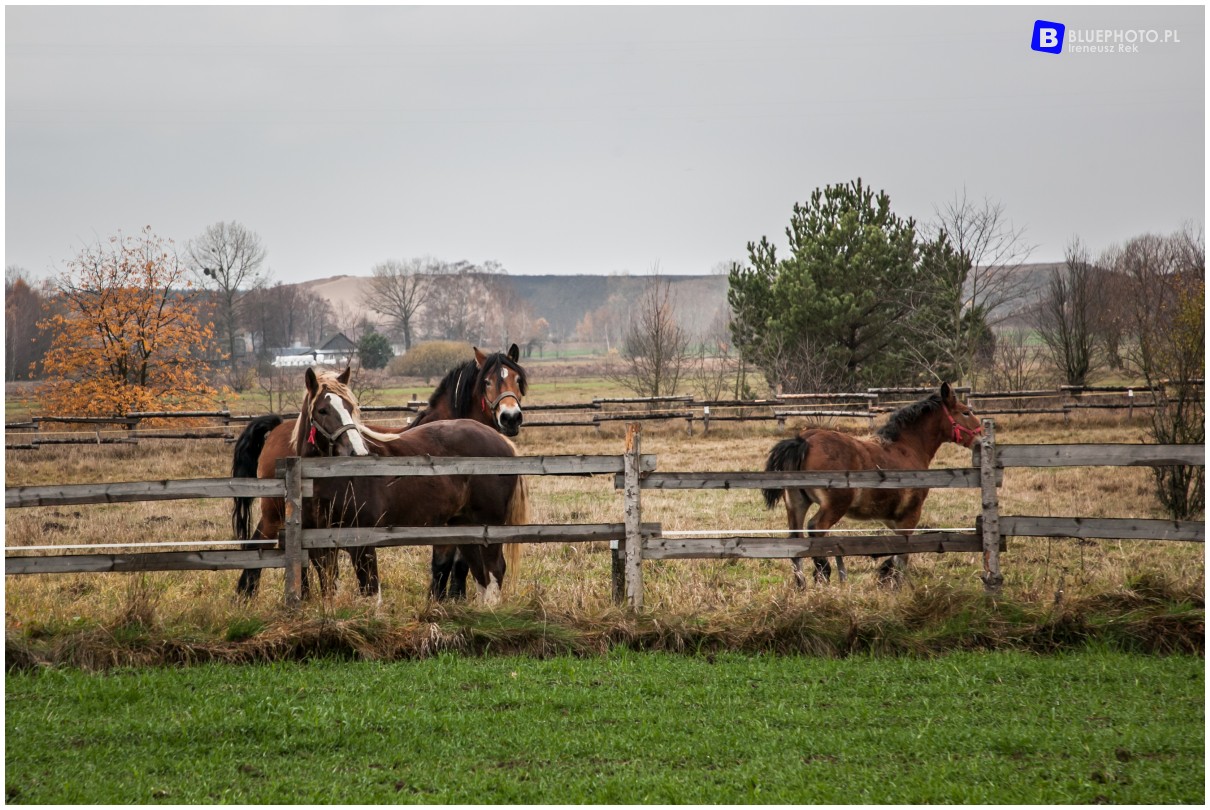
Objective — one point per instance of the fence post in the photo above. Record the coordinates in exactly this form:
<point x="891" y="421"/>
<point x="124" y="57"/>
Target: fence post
<point x="633" y="517"/>
<point x="296" y="558"/>
<point x="992" y="579"/>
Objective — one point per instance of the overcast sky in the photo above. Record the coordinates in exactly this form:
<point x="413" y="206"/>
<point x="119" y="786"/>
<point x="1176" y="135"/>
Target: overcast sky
<point x="581" y="140"/>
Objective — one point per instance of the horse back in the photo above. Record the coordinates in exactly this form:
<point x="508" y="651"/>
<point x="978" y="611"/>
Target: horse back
<point x="832" y="450"/>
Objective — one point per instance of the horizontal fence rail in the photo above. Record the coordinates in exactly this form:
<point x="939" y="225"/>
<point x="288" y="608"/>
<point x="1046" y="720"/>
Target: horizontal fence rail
<point x="146" y="561"/>
<point x="133" y="491"/>
<point x="1103" y="528"/>
<point x="343" y="467"/>
<point x="869" y="403"/>
<point x="955" y="478"/>
<point x="730" y="547"/>
<point x="380" y="537"/>
<point x="1100" y="455"/>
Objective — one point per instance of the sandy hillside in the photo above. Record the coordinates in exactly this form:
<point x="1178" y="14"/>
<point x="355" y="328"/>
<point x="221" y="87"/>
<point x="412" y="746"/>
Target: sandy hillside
<point x="344" y="292"/>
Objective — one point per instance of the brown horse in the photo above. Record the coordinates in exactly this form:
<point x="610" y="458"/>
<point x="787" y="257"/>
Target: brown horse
<point x="330" y="424"/>
<point x="908" y="441"/>
<point x="487" y="389"/>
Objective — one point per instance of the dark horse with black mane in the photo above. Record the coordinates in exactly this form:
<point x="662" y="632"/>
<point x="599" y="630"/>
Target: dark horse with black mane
<point x="487" y="389"/>
<point x="908" y="441"/>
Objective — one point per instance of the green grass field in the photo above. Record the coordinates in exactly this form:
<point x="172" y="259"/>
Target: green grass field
<point x="1080" y="727"/>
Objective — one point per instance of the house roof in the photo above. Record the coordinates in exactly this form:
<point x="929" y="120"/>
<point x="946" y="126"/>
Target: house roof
<point x="338" y="343"/>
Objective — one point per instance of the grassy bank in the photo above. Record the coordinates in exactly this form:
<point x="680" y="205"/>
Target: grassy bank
<point x="1093" y="726"/>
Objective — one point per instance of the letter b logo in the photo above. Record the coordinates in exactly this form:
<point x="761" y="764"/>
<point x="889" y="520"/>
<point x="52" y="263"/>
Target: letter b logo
<point x="1048" y="36"/>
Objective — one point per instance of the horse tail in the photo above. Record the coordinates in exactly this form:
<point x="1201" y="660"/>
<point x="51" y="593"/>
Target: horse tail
<point x="518" y="515"/>
<point x="787" y="455"/>
<point x="244" y="465"/>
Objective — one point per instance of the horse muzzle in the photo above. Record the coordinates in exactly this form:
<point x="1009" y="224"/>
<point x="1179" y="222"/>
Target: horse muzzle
<point x="509" y="420"/>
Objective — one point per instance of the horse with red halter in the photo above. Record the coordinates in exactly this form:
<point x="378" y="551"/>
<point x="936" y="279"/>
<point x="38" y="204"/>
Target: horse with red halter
<point x="487" y="389"/>
<point x="908" y="441"/>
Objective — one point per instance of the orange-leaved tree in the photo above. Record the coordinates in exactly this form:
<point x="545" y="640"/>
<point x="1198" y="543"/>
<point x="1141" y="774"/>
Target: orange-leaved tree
<point x="127" y="334"/>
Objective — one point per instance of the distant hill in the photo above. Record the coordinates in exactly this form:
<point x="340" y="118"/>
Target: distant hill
<point x="564" y="300"/>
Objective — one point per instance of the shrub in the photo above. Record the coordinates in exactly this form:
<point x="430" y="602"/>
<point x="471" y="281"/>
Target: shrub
<point x="432" y="359"/>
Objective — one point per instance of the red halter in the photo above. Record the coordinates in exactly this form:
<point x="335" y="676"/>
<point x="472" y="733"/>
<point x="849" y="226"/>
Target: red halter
<point x="959" y="432"/>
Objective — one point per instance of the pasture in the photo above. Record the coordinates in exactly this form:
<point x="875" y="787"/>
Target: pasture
<point x="830" y="694"/>
<point x="728" y="602"/>
<point x="1086" y="727"/>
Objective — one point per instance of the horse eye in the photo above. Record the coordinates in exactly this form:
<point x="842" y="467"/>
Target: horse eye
<point x="322" y="411"/>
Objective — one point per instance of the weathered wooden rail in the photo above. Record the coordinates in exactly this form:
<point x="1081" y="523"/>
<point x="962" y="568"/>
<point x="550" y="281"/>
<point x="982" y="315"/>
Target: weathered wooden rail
<point x="634" y="539"/>
<point x="858" y="405"/>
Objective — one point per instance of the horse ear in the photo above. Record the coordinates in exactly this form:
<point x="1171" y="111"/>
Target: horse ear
<point x="343" y="379"/>
<point x="312" y="382"/>
<point x="947" y="393"/>
<point x="514" y="353"/>
<point x="480" y="357"/>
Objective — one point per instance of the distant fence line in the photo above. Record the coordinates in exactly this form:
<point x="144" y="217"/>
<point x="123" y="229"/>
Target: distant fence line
<point x="864" y="405"/>
<point x="635" y="539"/>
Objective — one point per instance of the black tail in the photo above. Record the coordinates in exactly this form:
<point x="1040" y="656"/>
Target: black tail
<point x="787" y="455"/>
<point x="243" y="465"/>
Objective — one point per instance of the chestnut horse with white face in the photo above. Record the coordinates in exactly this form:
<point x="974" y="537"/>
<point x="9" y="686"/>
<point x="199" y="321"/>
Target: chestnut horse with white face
<point x="908" y="441"/>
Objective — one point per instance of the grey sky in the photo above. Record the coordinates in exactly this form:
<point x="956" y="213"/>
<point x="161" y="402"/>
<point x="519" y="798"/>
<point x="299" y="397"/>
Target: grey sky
<point x="581" y="140"/>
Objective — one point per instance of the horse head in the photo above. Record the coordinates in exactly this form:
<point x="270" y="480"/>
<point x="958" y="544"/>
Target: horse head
<point x="959" y="422"/>
<point x="329" y="423"/>
<point x="499" y="388"/>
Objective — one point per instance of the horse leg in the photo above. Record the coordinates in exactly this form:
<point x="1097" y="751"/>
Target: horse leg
<point x="249" y="579"/>
<point x="459" y="574"/>
<point x="893" y="569"/>
<point x="494" y="567"/>
<point x="832" y="507"/>
<point x="797" y="505"/>
<point x="365" y="565"/>
<point x="442" y="565"/>
<point x="486" y="565"/>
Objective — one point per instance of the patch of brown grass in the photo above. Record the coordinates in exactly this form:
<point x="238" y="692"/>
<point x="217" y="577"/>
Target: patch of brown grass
<point x="1057" y="591"/>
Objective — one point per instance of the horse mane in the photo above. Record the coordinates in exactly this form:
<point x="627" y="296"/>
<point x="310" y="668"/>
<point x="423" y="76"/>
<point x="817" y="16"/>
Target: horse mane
<point x="461" y="386"/>
<point x="907" y="416"/>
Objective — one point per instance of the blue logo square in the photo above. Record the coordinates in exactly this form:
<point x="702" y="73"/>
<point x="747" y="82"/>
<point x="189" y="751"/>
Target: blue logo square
<point x="1048" y="36"/>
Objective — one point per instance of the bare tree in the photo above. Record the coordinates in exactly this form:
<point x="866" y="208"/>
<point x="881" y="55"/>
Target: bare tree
<point x="1014" y="363"/>
<point x="1066" y="315"/>
<point x="799" y="366"/>
<point x="399" y="290"/>
<point x="655" y="349"/>
<point x="227" y="260"/>
<point x="24" y="343"/>
<point x="997" y="251"/>
<point x="1167" y="278"/>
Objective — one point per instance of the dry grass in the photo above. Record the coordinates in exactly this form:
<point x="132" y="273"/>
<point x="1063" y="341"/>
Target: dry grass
<point x="1148" y="595"/>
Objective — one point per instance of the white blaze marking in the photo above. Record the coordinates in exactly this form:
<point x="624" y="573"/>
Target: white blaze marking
<point x="346" y="418"/>
<point x="504" y="373"/>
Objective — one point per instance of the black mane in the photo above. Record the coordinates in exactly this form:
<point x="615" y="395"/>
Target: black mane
<point x="463" y="384"/>
<point x="907" y="416"/>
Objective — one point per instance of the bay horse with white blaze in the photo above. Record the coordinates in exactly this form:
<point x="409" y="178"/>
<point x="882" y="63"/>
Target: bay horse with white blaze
<point x="267" y="439"/>
<point x="908" y="441"/>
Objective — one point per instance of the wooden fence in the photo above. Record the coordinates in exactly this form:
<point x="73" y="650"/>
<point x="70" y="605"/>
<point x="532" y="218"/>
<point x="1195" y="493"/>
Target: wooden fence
<point x="862" y="405"/>
<point x="635" y="539"/>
